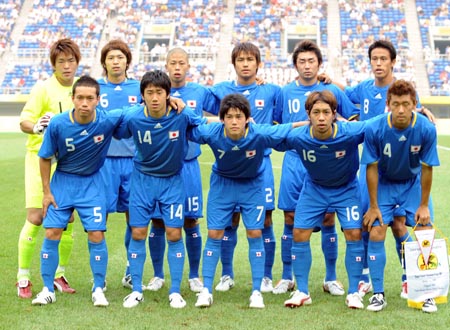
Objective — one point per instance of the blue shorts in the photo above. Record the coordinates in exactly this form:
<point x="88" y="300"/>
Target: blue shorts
<point x="117" y="172"/>
<point x="316" y="200"/>
<point x="148" y="192"/>
<point x="400" y="198"/>
<point x="193" y="205"/>
<point x="86" y="194"/>
<point x="226" y="194"/>
<point x="291" y="182"/>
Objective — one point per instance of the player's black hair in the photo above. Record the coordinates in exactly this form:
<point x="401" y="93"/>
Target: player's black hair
<point x="383" y="44"/>
<point x="86" y="81"/>
<point x="245" y="47"/>
<point x="234" y="101"/>
<point x="306" y="46"/>
<point x="156" y="78"/>
<point x="116" y="44"/>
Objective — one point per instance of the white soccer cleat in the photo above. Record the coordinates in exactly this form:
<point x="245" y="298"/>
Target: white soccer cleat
<point x="377" y="303"/>
<point x="44" y="297"/>
<point x="364" y="288"/>
<point x="266" y="285"/>
<point x="133" y="299"/>
<point x="204" y="298"/>
<point x="335" y="288"/>
<point x="225" y="283"/>
<point x="195" y="284"/>
<point x="283" y="286"/>
<point x="99" y="299"/>
<point x="298" y="299"/>
<point x="256" y="300"/>
<point x="127" y="282"/>
<point x="176" y="300"/>
<point x="429" y="306"/>
<point x="354" y="300"/>
<point x="155" y="284"/>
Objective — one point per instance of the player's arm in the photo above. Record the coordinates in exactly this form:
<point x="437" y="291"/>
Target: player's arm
<point x="300" y="123"/>
<point x="422" y="215"/>
<point x="27" y="126"/>
<point x="427" y="113"/>
<point x="45" y="165"/>
<point x="373" y="213"/>
<point x="177" y="103"/>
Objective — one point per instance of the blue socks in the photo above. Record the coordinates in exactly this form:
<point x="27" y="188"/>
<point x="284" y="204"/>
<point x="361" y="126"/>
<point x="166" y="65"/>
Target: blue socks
<point x="376" y="254"/>
<point x="194" y="249"/>
<point x="211" y="255"/>
<point x="157" y="247"/>
<point x="175" y="256"/>
<point x="49" y="262"/>
<point x="330" y="251"/>
<point x="136" y="257"/>
<point x="301" y="264"/>
<point x="269" y="248"/>
<point x="286" y="253"/>
<point x="229" y="242"/>
<point x="256" y="256"/>
<point x="98" y="257"/>
<point x="398" y="246"/>
<point x="354" y="263"/>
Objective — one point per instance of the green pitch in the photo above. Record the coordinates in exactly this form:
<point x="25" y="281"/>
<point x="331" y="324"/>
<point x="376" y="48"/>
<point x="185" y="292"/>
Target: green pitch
<point x="230" y="309"/>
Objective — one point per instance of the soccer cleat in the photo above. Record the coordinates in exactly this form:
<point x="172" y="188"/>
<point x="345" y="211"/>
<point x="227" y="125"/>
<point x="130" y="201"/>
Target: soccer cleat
<point x="283" y="286"/>
<point x="195" y="284"/>
<point x="266" y="285"/>
<point x="377" y="302"/>
<point x="176" y="300"/>
<point x="127" y="282"/>
<point x="155" y="284"/>
<point x="256" y="300"/>
<point x="429" y="306"/>
<point x="225" y="284"/>
<point x="404" y="293"/>
<point x="133" y="299"/>
<point x="98" y="298"/>
<point x="204" y="298"/>
<point x="354" y="300"/>
<point x="24" y="289"/>
<point x="335" y="288"/>
<point x="62" y="285"/>
<point x="364" y="288"/>
<point x="44" y="297"/>
<point x="298" y="299"/>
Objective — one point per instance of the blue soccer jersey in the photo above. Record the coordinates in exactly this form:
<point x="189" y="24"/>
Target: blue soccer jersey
<point x="165" y="157"/>
<point x="400" y="153"/>
<point x="117" y="96"/>
<point x="64" y="137"/>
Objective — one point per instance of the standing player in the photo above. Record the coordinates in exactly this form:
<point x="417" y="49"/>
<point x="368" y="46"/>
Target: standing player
<point x="307" y="59"/>
<point x="237" y="180"/>
<point x="159" y="135"/>
<point x="370" y="94"/>
<point x="198" y="98"/>
<point x="246" y="60"/>
<point x="118" y="91"/>
<point x="400" y="152"/>
<point x="328" y="151"/>
<point x="79" y="140"/>
<point x="47" y="98"/>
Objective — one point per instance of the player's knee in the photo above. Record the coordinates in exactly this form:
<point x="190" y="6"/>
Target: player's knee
<point x="289" y="217"/>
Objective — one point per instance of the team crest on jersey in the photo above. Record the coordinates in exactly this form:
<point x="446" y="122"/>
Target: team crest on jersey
<point x="259" y="103"/>
<point x="415" y="149"/>
<point x="173" y="135"/>
<point x="340" y="154"/>
<point x="191" y="103"/>
<point x="132" y="98"/>
<point x="250" y="153"/>
<point x="99" y="138"/>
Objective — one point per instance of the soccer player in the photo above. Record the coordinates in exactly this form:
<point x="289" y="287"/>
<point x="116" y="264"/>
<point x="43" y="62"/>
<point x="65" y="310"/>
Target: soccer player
<point x="307" y="59"/>
<point x="370" y="94"/>
<point x="159" y="135"/>
<point x="400" y="152"/>
<point x="246" y="59"/>
<point x="328" y="151"/>
<point x="198" y="98"/>
<point x="237" y="180"/>
<point x="47" y="98"/>
<point x="78" y="140"/>
<point x="117" y="90"/>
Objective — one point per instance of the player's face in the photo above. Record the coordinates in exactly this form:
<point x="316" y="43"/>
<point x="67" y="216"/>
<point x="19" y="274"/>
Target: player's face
<point x="177" y="67"/>
<point x="65" y="69"/>
<point x="155" y="99"/>
<point x="246" y="66"/>
<point x="85" y="100"/>
<point x="116" y="64"/>
<point x="235" y="123"/>
<point x="322" y="118"/>
<point x="401" y="108"/>
<point x="381" y="63"/>
<point x="307" y="66"/>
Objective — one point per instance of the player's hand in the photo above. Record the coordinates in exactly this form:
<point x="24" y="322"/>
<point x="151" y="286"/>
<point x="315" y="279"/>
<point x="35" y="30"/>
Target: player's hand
<point x="259" y="80"/>
<point x="42" y="123"/>
<point x="422" y="216"/>
<point x="177" y="103"/>
<point x="427" y="112"/>
<point x="48" y="200"/>
<point x="372" y="214"/>
<point x="326" y="79"/>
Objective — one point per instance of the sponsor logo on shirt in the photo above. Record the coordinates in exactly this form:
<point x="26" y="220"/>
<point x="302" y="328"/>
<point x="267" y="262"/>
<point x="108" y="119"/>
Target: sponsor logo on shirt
<point x="247" y="92"/>
<point x="402" y="138"/>
<point x="173" y="135"/>
<point x="132" y="99"/>
<point x="84" y="133"/>
<point x="235" y="148"/>
<point x="191" y="103"/>
<point x="378" y="96"/>
<point x="340" y="154"/>
<point x="415" y="149"/>
<point x="250" y="153"/>
<point x="259" y="103"/>
<point x="158" y="125"/>
<point x="99" y="138"/>
<point x="177" y="94"/>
